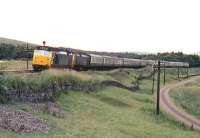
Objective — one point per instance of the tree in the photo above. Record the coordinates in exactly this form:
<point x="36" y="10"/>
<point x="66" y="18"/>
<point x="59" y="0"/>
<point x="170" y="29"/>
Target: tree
<point x="7" y="51"/>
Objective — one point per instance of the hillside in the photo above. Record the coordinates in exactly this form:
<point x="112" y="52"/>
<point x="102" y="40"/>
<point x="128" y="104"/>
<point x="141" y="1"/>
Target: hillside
<point x="14" y="49"/>
<point x="14" y="42"/>
<point x="104" y="112"/>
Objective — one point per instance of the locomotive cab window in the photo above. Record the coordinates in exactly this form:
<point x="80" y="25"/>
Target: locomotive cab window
<point x="41" y="53"/>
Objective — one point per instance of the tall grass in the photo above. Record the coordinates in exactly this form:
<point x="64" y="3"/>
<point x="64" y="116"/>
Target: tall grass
<point x="47" y="81"/>
<point x="187" y="97"/>
<point x="15" y="65"/>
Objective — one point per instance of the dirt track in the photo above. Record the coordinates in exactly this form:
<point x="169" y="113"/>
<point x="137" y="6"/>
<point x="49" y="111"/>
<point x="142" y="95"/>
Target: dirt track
<point x="168" y="105"/>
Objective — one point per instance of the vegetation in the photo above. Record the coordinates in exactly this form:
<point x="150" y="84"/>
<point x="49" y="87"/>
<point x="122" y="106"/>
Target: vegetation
<point x="109" y="112"/>
<point x="180" y="56"/>
<point x="15" y="64"/>
<point x="2" y="90"/>
<point x="187" y="97"/>
<point x="9" y="51"/>
<point x="50" y="81"/>
<point x="14" y="49"/>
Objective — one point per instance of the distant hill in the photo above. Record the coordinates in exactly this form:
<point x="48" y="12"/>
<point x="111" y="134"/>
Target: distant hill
<point x="15" y="42"/>
<point x="15" y="49"/>
<point x="115" y="54"/>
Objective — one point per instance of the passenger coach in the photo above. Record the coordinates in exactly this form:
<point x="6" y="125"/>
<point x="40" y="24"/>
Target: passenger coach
<point x="45" y="57"/>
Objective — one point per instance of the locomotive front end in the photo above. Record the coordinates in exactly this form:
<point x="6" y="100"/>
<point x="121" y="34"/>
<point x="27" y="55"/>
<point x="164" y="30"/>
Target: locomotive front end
<point x="42" y="58"/>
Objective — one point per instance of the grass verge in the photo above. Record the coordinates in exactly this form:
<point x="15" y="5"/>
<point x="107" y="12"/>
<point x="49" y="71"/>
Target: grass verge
<point x="187" y="97"/>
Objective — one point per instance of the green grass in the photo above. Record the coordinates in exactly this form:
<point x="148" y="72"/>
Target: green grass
<point x="49" y="80"/>
<point x="44" y="78"/>
<point x="125" y="76"/>
<point x="109" y="113"/>
<point x="15" y="65"/>
<point x="194" y="70"/>
<point x="187" y="97"/>
<point x="62" y="79"/>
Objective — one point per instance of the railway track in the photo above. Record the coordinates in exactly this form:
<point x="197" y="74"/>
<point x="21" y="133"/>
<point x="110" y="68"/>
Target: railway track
<point x="16" y="71"/>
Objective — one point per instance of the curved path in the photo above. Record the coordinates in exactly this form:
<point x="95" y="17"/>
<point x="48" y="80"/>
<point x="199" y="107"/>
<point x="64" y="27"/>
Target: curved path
<point x="168" y="105"/>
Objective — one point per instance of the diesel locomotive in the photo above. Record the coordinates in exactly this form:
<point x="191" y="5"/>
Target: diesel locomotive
<point x="45" y="57"/>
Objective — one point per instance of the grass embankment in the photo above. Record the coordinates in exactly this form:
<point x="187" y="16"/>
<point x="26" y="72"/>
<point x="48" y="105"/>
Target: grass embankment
<point x="20" y="86"/>
<point x="109" y="112"/>
<point x="50" y="81"/>
<point x="187" y="97"/>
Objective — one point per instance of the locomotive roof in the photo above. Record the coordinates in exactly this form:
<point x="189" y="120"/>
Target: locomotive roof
<point x="48" y="48"/>
<point x="61" y="49"/>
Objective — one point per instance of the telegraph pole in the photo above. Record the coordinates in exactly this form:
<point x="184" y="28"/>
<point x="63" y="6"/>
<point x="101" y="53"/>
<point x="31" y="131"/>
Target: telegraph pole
<point x="178" y="72"/>
<point x="27" y="56"/>
<point x="158" y="90"/>
<point x="187" y="72"/>
<point x="164" y="74"/>
<point x="153" y="79"/>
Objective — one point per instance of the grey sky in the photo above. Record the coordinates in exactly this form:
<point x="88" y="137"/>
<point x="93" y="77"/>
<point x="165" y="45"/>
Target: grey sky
<point x="105" y="25"/>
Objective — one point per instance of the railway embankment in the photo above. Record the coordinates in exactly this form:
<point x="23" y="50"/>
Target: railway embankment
<point x="44" y="86"/>
<point x="41" y="88"/>
<point x="82" y="103"/>
<point x="135" y="85"/>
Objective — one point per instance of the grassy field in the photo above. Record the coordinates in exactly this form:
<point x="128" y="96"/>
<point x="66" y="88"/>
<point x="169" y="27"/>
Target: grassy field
<point x="15" y="65"/>
<point x="110" y="112"/>
<point x="187" y="97"/>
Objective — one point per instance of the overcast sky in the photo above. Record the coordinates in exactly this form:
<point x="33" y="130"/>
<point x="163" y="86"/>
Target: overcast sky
<point x="105" y="25"/>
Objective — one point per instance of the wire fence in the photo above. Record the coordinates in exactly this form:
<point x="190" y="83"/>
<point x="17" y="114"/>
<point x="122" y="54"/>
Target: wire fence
<point x="15" y="65"/>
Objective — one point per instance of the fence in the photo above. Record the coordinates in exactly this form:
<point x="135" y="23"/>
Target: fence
<point x="15" y="65"/>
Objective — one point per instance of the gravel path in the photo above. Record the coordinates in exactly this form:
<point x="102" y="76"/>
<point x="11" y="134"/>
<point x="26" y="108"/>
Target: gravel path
<point x="168" y="105"/>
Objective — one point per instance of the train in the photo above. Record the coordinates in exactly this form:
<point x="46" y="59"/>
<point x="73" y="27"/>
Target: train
<point x="45" y="57"/>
